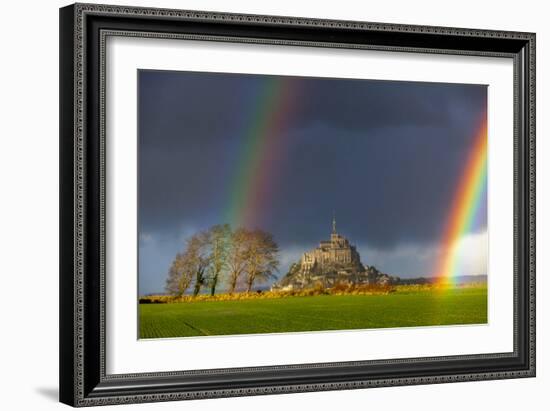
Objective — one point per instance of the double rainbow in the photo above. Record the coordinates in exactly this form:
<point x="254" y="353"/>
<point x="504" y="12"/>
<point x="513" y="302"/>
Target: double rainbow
<point x="467" y="202"/>
<point x="259" y="158"/>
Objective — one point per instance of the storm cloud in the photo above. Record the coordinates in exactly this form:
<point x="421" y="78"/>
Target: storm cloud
<point x="383" y="156"/>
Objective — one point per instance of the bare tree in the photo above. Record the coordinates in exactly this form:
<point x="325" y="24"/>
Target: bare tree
<point x="237" y="256"/>
<point x="180" y="275"/>
<point x="262" y="258"/>
<point x="196" y="256"/>
<point x="210" y="254"/>
<point x="218" y="238"/>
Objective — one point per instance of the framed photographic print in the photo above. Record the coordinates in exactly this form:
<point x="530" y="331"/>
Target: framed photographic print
<point x="262" y="204"/>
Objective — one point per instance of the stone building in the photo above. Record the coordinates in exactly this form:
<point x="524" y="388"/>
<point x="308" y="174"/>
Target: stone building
<point x="331" y="253"/>
<point x="335" y="261"/>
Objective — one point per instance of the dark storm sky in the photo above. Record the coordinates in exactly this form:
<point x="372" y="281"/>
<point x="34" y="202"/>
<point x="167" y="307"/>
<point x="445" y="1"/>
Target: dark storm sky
<point x="384" y="156"/>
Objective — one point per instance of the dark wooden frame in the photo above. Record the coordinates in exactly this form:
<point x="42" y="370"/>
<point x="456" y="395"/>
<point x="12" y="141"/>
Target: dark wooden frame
<point x="83" y="29"/>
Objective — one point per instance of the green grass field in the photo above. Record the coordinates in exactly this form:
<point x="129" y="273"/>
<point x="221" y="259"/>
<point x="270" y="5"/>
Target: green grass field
<point x="323" y="312"/>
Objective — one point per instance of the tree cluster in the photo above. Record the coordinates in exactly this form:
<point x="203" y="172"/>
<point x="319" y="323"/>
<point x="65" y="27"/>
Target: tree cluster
<point x="220" y="254"/>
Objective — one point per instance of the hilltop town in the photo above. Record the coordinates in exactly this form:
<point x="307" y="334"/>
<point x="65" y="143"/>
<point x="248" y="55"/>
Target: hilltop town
<point x="334" y="261"/>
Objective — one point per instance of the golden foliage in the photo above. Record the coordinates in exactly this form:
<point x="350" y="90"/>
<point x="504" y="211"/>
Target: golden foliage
<point x="317" y="289"/>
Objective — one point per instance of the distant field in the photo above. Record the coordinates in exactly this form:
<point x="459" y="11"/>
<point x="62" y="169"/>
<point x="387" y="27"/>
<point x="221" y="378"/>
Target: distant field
<point x="324" y="312"/>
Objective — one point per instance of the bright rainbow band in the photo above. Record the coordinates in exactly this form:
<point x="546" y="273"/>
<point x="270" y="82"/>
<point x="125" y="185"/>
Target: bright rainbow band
<point x="467" y="202"/>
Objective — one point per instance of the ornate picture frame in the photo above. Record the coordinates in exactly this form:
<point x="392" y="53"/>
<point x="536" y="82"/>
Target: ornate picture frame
<point x="84" y="30"/>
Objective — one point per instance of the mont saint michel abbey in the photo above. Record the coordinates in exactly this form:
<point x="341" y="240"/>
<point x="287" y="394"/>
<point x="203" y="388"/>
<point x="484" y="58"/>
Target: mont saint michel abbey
<point x="336" y="251"/>
<point x="334" y="261"/>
